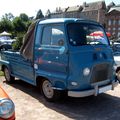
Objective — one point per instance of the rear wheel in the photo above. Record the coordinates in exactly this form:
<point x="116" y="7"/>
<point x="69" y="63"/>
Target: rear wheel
<point x="8" y="77"/>
<point x="49" y="93"/>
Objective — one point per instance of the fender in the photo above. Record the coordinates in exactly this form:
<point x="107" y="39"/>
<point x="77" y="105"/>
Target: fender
<point x="56" y="83"/>
<point x="4" y="63"/>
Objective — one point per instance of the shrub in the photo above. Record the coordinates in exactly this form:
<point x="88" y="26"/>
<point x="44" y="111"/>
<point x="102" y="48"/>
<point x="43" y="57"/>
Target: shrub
<point x="18" y="43"/>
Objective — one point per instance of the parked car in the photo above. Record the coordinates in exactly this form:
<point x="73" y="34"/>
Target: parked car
<point x="5" y="39"/>
<point x="116" y="47"/>
<point x="7" y="108"/>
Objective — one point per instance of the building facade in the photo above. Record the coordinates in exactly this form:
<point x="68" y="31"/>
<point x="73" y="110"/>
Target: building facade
<point x="108" y="16"/>
<point x="113" y="21"/>
<point x="93" y="11"/>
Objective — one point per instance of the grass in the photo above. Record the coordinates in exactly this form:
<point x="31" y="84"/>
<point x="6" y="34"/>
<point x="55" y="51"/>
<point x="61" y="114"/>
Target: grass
<point x="1" y="73"/>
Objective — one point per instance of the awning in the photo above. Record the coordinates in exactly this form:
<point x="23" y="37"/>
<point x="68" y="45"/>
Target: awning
<point x="5" y="34"/>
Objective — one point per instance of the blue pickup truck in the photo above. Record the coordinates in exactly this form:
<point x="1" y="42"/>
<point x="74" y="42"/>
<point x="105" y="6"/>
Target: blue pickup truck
<point x="63" y="55"/>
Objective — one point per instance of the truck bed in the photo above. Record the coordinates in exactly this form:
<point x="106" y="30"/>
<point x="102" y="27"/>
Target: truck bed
<point x="18" y="65"/>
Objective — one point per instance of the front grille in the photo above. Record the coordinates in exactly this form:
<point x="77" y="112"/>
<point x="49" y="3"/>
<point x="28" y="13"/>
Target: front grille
<point x="101" y="72"/>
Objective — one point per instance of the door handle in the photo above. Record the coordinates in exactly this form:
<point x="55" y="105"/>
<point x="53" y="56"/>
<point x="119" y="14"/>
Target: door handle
<point x="39" y="49"/>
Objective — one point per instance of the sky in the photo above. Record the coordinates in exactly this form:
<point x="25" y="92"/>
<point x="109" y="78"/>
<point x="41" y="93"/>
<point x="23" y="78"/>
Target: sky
<point x="30" y="7"/>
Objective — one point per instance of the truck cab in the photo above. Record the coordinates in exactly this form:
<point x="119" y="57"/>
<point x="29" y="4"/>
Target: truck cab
<point x="66" y="56"/>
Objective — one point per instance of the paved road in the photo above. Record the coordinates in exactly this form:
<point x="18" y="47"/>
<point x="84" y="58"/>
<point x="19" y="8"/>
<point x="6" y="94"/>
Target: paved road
<point x="30" y="105"/>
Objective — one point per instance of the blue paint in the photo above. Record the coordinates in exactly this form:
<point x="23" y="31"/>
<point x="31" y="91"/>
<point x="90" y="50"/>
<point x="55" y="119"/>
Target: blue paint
<point x="64" y="64"/>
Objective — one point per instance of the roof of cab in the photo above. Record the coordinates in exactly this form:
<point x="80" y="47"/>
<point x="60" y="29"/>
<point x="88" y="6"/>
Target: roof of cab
<point x="64" y="20"/>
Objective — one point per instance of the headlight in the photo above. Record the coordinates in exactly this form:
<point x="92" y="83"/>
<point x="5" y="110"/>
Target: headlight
<point x="86" y="71"/>
<point x="6" y="108"/>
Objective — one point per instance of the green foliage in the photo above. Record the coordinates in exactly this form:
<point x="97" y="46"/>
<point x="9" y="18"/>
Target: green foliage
<point x="19" y="25"/>
<point x="8" y="16"/>
<point x="1" y="73"/>
<point x="18" y="43"/>
<point x="6" y="25"/>
<point x="24" y="17"/>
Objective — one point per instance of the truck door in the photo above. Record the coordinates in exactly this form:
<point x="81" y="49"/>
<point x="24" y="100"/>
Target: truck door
<point x="51" y="53"/>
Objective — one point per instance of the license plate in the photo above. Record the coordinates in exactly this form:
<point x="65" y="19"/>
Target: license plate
<point x="104" y="89"/>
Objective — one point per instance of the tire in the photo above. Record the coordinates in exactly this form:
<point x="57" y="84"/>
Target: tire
<point x="8" y="77"/>
<point x="49" y="93"/>
<point x="118" y="75"/>
<point x="5" y="47"/>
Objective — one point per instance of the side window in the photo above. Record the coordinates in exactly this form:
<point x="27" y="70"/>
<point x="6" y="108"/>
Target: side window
<point x="46" y="37"/>
<point x="53" y="35"/>
<point x="57" y="35"/>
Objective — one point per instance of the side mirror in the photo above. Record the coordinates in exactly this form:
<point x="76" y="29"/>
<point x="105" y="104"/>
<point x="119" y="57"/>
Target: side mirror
<point x="61" y="42"/>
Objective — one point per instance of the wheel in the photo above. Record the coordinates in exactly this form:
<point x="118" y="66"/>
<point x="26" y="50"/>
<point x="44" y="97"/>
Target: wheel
<point x="49" y="93"/>
<point x="5" y="47"/>
<point x="8" y="77"/>
<point x="118" y="75"/>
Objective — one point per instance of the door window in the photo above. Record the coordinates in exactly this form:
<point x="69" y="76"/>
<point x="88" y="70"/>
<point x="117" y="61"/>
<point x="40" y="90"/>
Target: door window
<point x="46" y="36"/>
<point x="52" y="35"/>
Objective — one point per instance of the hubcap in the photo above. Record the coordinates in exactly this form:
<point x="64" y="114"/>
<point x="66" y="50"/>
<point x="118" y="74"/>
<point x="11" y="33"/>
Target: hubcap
<point x="47" y="89"/>
<point x="7" y="75"/>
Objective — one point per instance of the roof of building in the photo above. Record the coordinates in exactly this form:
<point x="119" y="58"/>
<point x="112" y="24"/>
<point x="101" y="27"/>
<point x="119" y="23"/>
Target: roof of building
<point x="74" y="8"/>
<point x="116" y="8"/>
<point x="94" y="6"/>
<point x="59" y="10"/>
<point x="111" y="4"/>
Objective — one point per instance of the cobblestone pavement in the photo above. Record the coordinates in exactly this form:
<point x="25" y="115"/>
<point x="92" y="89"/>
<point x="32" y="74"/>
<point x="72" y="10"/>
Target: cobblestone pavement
<point x="30" y="105"/>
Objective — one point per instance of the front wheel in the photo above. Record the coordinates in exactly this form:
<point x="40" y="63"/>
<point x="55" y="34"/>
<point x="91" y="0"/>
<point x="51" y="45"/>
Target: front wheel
<point x="49" y="93"/>
<point x="118" y="75"/>
<point x="8" y="77"/>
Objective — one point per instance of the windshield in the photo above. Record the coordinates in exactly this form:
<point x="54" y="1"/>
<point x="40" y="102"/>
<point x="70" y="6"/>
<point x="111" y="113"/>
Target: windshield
<point x="86" y="34"/>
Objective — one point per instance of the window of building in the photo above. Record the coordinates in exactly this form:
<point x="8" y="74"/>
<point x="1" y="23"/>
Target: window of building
<point x="119" y="34"/>
<point x="114" y="28"/>
<point x="119" y="22"/>
<point x="109" y="22"/>
<point x="109" y="29"/>
<point x="114" y="22"/>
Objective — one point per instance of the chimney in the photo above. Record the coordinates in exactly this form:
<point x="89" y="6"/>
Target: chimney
<point x="84" y="4"/>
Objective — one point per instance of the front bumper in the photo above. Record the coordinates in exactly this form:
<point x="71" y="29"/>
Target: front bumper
<point x="97" y="90"/>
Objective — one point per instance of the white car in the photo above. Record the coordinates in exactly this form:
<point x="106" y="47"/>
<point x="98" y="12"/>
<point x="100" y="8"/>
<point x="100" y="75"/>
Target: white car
<point x="5" y="39"/>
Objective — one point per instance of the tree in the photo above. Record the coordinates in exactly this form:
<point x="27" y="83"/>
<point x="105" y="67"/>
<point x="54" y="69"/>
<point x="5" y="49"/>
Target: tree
<point x="39" y="14"/>
<point x="24" y="17"/>
<point x="6" y="25"/>
<point x="8" y="16"/>
<point x="6" y="22"/>
<point x="19" y="25"/>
